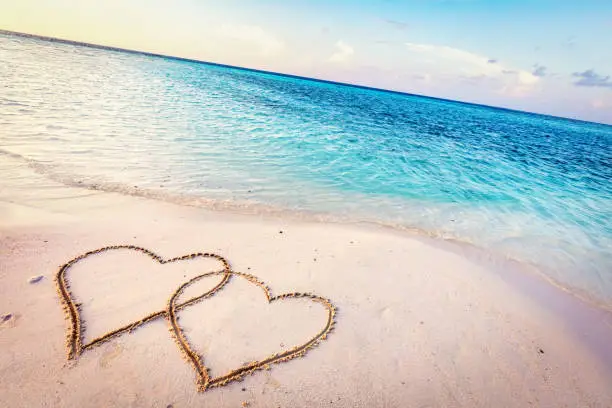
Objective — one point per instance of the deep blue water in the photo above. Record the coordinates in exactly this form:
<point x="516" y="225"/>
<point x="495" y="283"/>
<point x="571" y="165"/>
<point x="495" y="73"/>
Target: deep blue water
<point x="531" y="187"/>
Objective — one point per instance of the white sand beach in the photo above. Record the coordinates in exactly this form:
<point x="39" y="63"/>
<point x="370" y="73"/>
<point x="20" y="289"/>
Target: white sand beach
<point x="418" y="324"/>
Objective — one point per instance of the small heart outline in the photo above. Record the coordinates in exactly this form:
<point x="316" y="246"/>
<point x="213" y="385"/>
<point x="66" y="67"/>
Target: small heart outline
<point x="204" y="381"/>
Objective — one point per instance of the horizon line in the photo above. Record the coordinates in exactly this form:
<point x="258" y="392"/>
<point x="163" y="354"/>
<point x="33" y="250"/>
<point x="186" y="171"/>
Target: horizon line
<point x="313" y="79"/>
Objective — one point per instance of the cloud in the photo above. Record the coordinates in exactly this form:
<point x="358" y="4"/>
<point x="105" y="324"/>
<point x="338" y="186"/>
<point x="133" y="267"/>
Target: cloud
<point x="252" y="36"/>
<point x="527" y="78"/>
<point x="422" y="77"/>
<point x="474" y="79"/>
<point x="343" y="52"/>
<point x="592" y="79"/>
<point x="400" y="25"/>
<point x="465" y="62"/>
<point x="388" y="42"/>
<point x="454" y="63"/>
<point x="539" y="70"/>
<point x="600" y="104"/>
<point x="444" y="52"/>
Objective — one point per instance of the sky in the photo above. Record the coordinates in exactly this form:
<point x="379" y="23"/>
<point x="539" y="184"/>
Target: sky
<point x="545" y="56"/>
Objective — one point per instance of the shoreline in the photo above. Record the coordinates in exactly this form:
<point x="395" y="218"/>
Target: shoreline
<point x="446" y="240"/>
<point x="576" y="310"/>
<point x="425" y="321"/>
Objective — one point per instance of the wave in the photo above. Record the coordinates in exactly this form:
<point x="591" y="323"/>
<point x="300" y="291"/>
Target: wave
<point x="447" y="241"/>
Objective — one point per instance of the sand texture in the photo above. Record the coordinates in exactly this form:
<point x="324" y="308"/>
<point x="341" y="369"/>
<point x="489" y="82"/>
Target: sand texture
<point x="416" y="324"/>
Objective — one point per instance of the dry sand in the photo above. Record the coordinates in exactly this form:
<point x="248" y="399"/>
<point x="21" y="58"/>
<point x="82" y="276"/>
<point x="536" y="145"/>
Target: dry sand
<point x="419" y="324"/>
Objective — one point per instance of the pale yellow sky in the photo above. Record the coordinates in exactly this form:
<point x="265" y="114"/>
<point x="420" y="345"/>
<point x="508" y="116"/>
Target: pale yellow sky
<point x="108" y="22"/>
<point x="157" y="26"/>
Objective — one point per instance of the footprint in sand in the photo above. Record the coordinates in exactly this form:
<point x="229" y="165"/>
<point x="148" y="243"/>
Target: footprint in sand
<point x="8" y="320"/>
<point x="110" y="354"/>
<point x="35" y="279"/>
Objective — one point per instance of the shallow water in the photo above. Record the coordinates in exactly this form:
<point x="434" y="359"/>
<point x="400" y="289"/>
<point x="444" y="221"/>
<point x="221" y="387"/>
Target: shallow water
<point x="534" y="188"/>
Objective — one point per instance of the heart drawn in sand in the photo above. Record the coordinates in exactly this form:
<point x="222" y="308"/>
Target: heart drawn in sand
<point x="204" y="380"/>
<point x="76" y="347"/>
<point x="73" y="310"/>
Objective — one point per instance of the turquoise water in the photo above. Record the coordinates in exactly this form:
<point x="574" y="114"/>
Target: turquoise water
<point x="534" y="188"/>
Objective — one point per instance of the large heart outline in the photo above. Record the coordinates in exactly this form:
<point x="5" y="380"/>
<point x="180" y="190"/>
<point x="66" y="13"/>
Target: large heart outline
<point x="204" y="381"/>
<point x="74" y="340"/>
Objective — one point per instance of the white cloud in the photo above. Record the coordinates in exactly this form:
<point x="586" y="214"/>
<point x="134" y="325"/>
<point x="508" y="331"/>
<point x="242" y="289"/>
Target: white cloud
<point x="447" y="61"/>
<point x="527" y="78"/>
<point x="600" y="104"/>
<point x="252" y="36"/>
<point x="439" y="53"/>
<point x="343" y="52"/>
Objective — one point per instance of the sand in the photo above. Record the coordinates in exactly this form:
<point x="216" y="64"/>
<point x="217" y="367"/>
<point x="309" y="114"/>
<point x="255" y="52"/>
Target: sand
<point x="419" y="323"/>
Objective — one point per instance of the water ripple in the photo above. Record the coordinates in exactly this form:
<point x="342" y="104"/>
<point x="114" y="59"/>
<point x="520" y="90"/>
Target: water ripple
<point x="531" y="187"/>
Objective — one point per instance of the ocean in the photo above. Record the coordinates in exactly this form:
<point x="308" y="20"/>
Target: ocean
<point x="532" y="188"/>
